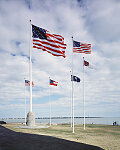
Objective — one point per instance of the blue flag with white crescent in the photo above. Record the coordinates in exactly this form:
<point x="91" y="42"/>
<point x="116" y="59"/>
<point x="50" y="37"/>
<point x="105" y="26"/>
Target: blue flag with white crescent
<point x="75" y="78"/>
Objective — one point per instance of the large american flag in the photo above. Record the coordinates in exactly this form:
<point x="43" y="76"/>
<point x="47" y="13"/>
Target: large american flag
<point x="79" y="47"/>
<point x="44" y="40"/>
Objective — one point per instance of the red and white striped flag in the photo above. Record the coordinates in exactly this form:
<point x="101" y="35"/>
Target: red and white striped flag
<point x="52" y="82"/>
<point x="79" y="47"/>
<point x="44" y="40"/>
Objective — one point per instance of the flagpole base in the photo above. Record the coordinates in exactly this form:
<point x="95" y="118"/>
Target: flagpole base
<point x="30" y="119"/>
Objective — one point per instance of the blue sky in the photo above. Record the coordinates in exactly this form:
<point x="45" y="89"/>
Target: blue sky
<point x="95" y="22"/>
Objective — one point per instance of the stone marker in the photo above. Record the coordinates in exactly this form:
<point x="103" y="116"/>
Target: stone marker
<point x="30" y="119"/>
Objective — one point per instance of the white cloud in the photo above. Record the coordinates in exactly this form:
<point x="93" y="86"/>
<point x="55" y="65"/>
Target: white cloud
<point x="94" y="22"/>
<point x="102" y="19"/>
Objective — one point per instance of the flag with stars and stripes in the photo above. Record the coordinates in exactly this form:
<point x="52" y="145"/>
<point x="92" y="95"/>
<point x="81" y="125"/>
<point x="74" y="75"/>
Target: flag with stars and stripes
<point x="44" y="40"/>
<point x="79" y="47"/>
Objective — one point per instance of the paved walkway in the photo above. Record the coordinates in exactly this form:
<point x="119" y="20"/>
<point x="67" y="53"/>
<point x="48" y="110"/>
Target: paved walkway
<point x="10" y="140"/>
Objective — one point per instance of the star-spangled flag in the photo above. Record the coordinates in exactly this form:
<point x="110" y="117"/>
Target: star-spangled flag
<point x="86" y="63"/>
<point x="52" y="82"/>
<point x="44" y="40"/>
<point x="79" y="47"/>
<point x="27" y="83"/>
<point x="75" y="78"/>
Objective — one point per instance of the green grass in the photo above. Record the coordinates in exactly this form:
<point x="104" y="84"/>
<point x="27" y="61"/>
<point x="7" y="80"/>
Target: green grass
<point x="105" y="136"/>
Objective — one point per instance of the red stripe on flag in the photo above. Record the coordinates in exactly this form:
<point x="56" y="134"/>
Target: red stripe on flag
<point x="48" y="48"/>
<point x="47" y="43"/>
<point x="50" y="52"/>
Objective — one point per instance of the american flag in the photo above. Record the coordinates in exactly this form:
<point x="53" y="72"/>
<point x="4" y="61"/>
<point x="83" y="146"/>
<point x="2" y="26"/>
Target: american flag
<point x="44" y="40"/>
<point x="52" y="82"/>
<point x="27" y="83"/>
<point x="79" y="47"/>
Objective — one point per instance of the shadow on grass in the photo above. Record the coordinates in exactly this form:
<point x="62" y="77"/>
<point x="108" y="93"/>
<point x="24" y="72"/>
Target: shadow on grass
<point x="11" y="140"/>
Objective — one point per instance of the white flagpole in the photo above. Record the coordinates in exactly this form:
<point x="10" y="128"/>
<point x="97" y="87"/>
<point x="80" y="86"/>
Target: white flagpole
<point x="30" y="69"/>
<point x="72" y="94"/>
<point x="83" y="95"/>
<point x="30" y="115"/>
<point x="71" y="101"/>
<point x="49" y="102"/>
<point x="25" y="104"/>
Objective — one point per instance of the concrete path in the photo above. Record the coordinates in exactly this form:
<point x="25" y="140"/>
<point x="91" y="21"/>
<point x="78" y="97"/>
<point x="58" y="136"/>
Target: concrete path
<point x="10" y="140"/>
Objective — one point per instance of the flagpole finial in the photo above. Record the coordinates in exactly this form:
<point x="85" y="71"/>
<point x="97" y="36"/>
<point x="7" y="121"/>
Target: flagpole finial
<point x="30" y="22"/>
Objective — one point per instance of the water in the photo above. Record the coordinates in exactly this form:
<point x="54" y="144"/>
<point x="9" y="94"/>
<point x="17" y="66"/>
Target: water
<point x="105" y="120"/>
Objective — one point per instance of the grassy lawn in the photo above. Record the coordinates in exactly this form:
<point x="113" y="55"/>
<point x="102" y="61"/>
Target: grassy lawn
<point x="104" y="136"/>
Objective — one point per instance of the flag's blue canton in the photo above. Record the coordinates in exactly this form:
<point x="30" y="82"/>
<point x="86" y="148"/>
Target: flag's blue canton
<point x="39" y="32"/>
<point x="76" y="44"/>
<point x="26" y="81"/>
<point x="51" y="81"/>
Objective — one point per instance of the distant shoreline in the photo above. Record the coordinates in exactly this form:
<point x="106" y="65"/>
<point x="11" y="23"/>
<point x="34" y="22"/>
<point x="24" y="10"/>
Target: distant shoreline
<point x="59" y="120"/>
<point x="54" y="117"/>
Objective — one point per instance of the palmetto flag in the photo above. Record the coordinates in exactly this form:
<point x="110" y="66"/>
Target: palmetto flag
<point x="75" y="78"/>
<point x="52" y="82"/>
<point x="79" y="47"/>
<point x="44" y="40"/>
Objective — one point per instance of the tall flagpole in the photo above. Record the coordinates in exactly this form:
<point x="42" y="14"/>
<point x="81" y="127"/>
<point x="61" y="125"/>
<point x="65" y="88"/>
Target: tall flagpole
<point x="30" y="115"/>
<point x="25" y="104"/>
<point x="30" y="70"/>
<point x="72" y="93"/>
<point x="83" y="95"/>
<point x="49" y="102"/>
<point x="71" y="101"/>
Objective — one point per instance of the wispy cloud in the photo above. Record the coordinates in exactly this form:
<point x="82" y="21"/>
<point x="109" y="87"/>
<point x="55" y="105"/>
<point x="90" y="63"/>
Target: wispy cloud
<point x="94" y="22"/>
